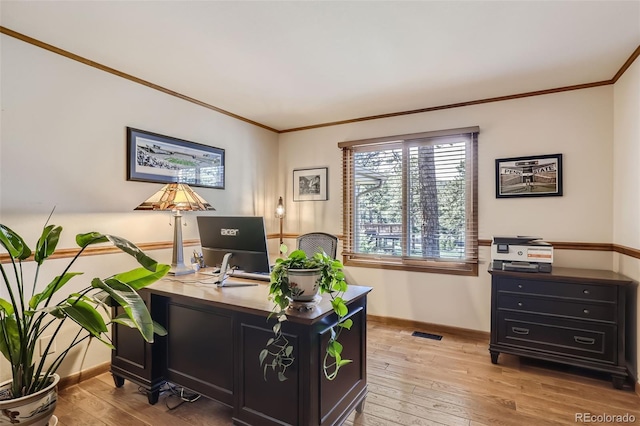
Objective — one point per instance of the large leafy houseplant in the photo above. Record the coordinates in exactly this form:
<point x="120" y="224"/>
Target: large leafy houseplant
<point x="29" y="313"/>
<point x="278" y="353"/>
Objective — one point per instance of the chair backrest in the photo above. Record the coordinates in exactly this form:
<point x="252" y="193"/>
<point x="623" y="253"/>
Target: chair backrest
<point x="314" y="242"/>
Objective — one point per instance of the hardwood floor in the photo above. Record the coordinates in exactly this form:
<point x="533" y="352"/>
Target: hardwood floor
<point x="412" y="381"/>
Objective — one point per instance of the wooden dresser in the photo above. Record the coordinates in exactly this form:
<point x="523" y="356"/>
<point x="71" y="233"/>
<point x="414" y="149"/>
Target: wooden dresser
<point x="580" y="317"/>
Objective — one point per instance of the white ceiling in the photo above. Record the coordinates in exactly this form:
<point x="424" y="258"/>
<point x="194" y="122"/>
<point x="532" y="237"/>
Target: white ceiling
<point x="298" y="63"/>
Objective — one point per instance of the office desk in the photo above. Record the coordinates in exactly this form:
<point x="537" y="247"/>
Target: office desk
<point x="214" y="338"/>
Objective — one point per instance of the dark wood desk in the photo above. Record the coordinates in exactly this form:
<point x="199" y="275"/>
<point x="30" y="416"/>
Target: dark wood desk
<point x="214" y="338"/>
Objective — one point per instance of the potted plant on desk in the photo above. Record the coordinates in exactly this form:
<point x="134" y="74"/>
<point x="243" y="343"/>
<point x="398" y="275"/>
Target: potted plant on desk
<point x="298" y="279"/>
<point x="30" y="397"/>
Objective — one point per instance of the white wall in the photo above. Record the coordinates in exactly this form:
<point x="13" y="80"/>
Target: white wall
<point x="63" y="144"/>
<point x="626" y="174"/>
<point x="626" y="157"/>
<point x="577" y="124"/>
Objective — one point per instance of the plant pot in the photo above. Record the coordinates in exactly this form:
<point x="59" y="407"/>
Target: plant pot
<point x="304" y="283"/>
<point x="33" y="410"/>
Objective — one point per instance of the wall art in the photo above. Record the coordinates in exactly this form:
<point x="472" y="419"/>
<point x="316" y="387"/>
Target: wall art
<point x="156" y="158"/>
<point x="533" y="176"/>
<point x="310" y="184"/>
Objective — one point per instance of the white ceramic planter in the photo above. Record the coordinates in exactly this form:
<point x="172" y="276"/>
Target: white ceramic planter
<point x="304" y="283"/>
<point x="32" y="410"/>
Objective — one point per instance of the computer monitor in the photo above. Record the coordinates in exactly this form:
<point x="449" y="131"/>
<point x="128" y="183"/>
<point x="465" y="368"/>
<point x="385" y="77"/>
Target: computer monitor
<point x="242" y="236"/>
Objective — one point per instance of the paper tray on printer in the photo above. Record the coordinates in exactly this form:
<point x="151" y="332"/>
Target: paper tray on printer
<point x="515" y="240"/>
<point x="521" y="266"/>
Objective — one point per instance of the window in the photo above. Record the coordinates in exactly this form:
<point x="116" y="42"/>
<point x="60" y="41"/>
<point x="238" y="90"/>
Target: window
<point x="410" y="202"/>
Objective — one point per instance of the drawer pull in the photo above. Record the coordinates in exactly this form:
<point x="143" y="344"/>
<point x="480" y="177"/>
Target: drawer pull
<point x="584" y="340"/>
<point x="520" y="304"/>
<point x="519" y="285"/>
<point x="520" y="330"/>
<point x="586" y="311"/>
<point x="585" y="291"/>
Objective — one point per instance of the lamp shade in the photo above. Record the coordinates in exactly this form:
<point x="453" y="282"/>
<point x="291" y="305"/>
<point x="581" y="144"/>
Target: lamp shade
<point x="175" y="196"/>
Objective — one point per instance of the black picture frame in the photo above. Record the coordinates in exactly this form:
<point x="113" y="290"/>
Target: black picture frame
<point x="311" y="184"/>
<point x="532" y="176"/>
<point x="163" y="159"/>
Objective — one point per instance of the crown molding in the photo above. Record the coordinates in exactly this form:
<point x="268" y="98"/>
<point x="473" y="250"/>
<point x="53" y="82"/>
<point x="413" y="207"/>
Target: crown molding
<point x="449" y="106"/>
<point x="626" y="65"/>
<point x="78" y="58"/>
<point x="615" y="78"/>
<point x="73" y="56"/>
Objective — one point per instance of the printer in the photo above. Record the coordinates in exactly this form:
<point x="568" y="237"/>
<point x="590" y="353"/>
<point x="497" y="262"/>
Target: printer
<point x="525" y="254"/>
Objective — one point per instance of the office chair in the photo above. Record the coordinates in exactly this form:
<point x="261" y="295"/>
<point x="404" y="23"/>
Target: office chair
<point x="314" y="242"/>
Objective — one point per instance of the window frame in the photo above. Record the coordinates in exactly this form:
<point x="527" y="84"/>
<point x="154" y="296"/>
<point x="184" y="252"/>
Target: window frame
<point x="469" y="266"/>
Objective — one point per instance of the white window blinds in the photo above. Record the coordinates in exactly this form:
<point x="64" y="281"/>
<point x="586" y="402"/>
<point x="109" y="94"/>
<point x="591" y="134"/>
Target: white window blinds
<point x="410" y="202"/>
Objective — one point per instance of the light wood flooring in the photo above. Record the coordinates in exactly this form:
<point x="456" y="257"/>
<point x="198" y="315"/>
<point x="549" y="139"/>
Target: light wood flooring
<point x="412" y="381"/>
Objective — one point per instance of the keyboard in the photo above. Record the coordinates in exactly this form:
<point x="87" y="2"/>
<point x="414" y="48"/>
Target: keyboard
<point x="262" y="276"/>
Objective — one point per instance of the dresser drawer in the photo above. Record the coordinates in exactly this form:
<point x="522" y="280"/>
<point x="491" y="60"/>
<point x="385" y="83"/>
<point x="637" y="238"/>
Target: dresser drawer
<point x="588" y="310"/>
<point x="567" y="337"/>
<point x="608" y="293"/>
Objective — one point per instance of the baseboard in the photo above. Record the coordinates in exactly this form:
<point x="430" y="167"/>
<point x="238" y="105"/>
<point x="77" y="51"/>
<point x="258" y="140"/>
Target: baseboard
<point x="425" y="326"/>
<point x="76" y="378"/>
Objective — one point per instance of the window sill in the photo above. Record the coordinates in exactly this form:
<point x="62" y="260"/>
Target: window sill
<point x="448" y="268"/>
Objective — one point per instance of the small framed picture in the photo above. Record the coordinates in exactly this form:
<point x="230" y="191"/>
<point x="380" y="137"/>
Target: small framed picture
<point x="156" y="158"/>
<point x="534" y="176"/>
<point x="310" y="184"/>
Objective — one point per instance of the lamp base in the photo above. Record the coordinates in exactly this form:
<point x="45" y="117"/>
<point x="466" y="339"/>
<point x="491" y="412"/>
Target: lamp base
<point x="177" y="262"/>
<point x="181" y="270"/>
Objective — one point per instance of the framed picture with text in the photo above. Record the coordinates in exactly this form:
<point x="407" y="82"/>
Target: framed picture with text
<point x="310" y="184"/>
<point x="533" y="176"/>
<point x="156" y="158"/>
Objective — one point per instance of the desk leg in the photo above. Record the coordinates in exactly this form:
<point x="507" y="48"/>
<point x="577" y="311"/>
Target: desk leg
<point x="152" y="396"/>
<point x="618" y="381"/>
<point x="117" y="380"/>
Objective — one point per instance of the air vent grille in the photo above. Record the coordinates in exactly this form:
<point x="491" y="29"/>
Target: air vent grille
<point x="426" y="335"/>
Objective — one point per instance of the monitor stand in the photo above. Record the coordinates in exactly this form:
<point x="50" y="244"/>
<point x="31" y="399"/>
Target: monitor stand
<point x="222" y="276"/>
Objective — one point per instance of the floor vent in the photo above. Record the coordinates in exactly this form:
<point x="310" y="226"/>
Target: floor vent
<point x="427" y="335"/>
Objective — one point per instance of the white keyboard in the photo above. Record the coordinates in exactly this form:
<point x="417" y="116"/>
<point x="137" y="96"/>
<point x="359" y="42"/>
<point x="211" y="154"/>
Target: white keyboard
<point x="262" y="276"/>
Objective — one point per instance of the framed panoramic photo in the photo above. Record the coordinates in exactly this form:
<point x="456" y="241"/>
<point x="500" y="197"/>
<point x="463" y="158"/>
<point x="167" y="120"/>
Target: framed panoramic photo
<point x="163" y="159"/>
<point x="310" y="184"/>
<point x="534" y="176"/>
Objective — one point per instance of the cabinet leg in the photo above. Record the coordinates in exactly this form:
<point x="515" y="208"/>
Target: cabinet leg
<point x="618" y="381"/>
<point x="360" y="406"/>
<point x="118" y="381"/>
<point x="152" y="396"/>
<point x="494" y="357"/>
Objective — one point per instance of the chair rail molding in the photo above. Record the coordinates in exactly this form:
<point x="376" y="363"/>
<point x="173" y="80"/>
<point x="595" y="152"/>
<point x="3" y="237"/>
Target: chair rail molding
<point x="94" y="251"/>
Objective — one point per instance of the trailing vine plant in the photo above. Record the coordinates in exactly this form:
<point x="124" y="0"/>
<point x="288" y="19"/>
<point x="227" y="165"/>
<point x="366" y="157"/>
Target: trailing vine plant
<point x="277" y="355"/>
